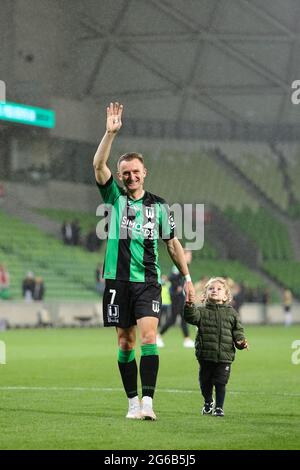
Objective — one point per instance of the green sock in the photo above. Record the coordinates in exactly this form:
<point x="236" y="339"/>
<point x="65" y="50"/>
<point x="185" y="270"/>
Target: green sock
<point x="128" y="370"/>
<point x="149" y="368"/>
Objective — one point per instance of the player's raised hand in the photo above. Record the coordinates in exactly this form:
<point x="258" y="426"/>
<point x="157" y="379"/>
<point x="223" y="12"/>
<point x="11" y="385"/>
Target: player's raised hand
<point x="114" y="117"/>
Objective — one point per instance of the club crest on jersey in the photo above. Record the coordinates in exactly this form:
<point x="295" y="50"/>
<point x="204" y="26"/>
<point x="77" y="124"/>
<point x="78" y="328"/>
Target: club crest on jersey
<point x="113" y="314"/>
<point x="155" y="306"/>
<point x="149" y="211"/>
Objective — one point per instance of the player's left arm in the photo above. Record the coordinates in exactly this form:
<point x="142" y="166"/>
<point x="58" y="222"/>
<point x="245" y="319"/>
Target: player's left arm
<point x="177" y="254"/>
<point x="238" y="334"/>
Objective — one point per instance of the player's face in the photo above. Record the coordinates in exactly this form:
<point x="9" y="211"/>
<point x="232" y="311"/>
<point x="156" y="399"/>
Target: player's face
<point x="132" y="173"/>
<point x="216" y="293"/>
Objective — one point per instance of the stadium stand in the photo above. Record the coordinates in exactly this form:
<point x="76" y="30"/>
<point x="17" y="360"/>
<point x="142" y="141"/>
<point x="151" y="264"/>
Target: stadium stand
<point x="290" y="154"/>
<point x="85" y="219"/>
<point x="286" y="273"/>
<point x="196" y="178"/>
<point x="205" y="260"/>
<point x="68" y="272"/>
<point x="269" y="234"/>
<point x="262" y="168"/>
<point x="192" y="177"/>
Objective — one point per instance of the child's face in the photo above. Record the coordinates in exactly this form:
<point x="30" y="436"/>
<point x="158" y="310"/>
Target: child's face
<point x="216" y="293"/>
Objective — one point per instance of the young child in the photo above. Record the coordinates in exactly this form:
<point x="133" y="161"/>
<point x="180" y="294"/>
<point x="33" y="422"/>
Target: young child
<point x="219" y="333"/>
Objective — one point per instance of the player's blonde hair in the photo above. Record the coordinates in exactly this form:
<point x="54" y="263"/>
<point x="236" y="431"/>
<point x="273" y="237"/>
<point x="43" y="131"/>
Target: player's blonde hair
<point x="223" y="281"/>
<point x="127" y="157"/>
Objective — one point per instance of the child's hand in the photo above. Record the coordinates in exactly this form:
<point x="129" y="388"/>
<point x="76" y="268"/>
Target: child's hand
<point x="242" y="344"/>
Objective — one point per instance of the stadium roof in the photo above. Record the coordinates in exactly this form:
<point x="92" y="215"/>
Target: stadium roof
<point x="193" y="60"/>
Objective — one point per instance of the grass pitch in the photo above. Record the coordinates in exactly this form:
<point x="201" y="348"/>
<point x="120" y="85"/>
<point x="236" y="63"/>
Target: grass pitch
<point x="61" y="389"/>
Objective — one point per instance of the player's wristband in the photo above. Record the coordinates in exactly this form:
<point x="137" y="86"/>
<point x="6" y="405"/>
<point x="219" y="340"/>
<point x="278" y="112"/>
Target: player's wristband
<point x="187" y="278"/>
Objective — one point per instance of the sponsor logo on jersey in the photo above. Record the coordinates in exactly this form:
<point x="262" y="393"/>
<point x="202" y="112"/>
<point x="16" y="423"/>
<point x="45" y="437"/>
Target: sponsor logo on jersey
<point x="113" y="314"/>
<point x="146" y="231"/>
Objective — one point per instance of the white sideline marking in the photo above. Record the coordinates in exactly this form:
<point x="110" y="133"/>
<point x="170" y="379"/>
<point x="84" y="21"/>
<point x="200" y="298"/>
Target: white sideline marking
<point x="99" y="389"/>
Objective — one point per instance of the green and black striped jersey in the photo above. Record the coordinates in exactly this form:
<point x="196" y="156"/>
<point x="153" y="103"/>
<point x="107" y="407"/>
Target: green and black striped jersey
<point x="133" y="231"/>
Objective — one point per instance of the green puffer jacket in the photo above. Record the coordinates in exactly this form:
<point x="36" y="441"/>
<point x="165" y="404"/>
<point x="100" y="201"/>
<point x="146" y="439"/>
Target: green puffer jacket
<point x="219" y="328"/>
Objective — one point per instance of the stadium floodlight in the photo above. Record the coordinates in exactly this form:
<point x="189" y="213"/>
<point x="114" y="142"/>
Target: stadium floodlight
<point x="28" y="115"/>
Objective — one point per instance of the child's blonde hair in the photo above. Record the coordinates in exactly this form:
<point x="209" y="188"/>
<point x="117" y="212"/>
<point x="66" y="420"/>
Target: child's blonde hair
<point x="223" y="281"/>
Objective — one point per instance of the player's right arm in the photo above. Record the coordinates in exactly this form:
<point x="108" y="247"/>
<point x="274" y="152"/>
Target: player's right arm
<point x="113" y="125"/>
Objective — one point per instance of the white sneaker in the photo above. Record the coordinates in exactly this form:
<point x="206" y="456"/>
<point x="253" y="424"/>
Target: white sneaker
<point x="134" y="408"/>
<point x="147" y="410"/>
<point x="188" y="343"/>
<point x="159" y="341"/>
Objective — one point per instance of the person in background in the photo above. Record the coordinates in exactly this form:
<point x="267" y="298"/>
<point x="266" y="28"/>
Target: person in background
<point x="92" y="242"/>
<point x="28" y="287"/>
<point x="287" y="307"/>
<point x="4" y="283"/>
<point x="76" y="231"/>
<point x="39" y="289"/>
<point x="219" y="333"/>
<point x="100" y="282"/>
<point x="238" y="296"/>
<point x="165" y="303"/>
<point x="67" y="233"/>
<point x="2" y="194"/>
<point x="265" y="300"/>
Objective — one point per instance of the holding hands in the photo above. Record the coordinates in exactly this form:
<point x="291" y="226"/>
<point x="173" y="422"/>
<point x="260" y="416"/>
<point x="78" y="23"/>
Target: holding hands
<point x="189" y="292"/>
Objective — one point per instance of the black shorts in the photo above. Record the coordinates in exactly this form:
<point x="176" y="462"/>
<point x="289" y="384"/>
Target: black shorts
<point x="126" y="302"/>
<point x="214" y="372"/>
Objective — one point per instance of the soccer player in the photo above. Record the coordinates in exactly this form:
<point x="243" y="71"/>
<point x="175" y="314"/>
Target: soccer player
<point x="219" y="333"/>
<point x="132" y="296"/>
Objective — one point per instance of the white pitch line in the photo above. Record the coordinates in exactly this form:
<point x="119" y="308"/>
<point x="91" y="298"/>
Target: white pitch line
<point x="107" y="389"/>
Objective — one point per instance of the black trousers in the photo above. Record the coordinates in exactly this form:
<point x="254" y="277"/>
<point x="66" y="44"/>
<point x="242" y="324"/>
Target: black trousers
<point x="214" y="374"/>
